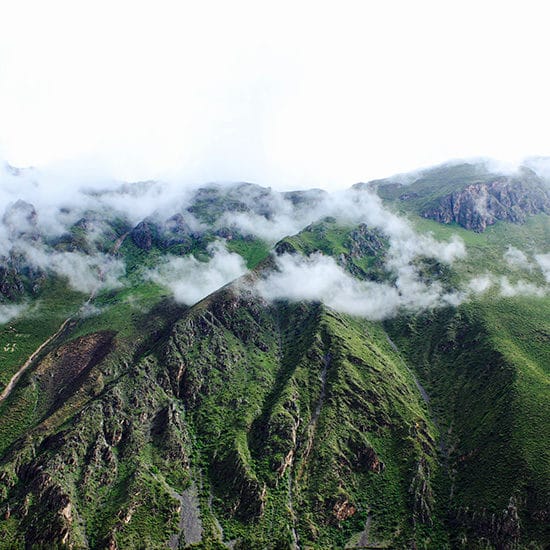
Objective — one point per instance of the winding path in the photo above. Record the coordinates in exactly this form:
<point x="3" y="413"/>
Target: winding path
<point x="14" y="379"/>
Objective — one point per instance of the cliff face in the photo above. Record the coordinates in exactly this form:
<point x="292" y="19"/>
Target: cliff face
<point x="481" y="204"/>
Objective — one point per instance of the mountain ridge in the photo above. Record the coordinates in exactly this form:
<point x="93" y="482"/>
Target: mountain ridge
<point x="247" y="421"/>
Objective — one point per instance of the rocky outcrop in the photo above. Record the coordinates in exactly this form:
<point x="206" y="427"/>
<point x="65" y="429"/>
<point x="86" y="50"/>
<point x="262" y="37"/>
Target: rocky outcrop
<point x="501" y="530"/>
<point x="362" y="253"/>
<point x="479" y="205"/>
<point x="143" y="234"/>
<point x="176" y="230"/>
<point x="421" y="492"/>
<point x="16" y="278"/>
<point x="11" y="284"/>
<point x="365" y="241"/>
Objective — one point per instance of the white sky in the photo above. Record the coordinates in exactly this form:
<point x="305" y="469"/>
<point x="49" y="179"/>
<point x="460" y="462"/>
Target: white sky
<point x="289" y="94"/>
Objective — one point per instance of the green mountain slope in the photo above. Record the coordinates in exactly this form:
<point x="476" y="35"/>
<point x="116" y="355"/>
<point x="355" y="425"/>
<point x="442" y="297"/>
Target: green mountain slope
<point x="238" y="422"/>
<point x="291" y="422"/>
<point x="486" y="373"/>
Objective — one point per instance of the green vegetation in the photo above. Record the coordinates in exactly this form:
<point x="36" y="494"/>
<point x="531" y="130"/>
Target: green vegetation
<point x="253" y="251"/>
<point x="360" y="250"/>
<point x="433" y="184"/>
<point x="241" y="423"/>
<point x="485" y="368"/>
<point x="23" y="335"/>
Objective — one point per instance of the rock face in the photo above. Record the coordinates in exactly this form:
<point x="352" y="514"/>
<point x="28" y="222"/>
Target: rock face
<point x="16" y="278"/>
<point x="481" y="204"/>
<point x="143" y="235"/>
<point x="163" y="234"/>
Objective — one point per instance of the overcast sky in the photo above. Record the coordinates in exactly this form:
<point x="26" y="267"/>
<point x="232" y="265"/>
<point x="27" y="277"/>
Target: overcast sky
<point x="288" y="94"/>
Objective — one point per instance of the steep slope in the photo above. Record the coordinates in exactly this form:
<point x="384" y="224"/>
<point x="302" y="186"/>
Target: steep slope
<point x="244" y="423"/>
<point x="292" y="423"/>
<point x="487" y="374"/>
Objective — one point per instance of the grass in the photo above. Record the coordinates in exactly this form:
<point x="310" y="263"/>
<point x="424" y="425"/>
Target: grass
<point x="224" y="392"/>
<point x="435" y="183"/>
<point x="253" y="251"/>
<point x="22" y="336"/>
<point x="485" y="367"/>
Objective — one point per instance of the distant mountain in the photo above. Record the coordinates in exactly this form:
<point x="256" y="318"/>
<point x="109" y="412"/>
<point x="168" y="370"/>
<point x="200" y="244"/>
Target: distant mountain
<point x="389" y="390"/>
<point x="471" y="196"/>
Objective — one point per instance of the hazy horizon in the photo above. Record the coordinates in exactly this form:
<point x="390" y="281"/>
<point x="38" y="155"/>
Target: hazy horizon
<point x="284" y="95"/>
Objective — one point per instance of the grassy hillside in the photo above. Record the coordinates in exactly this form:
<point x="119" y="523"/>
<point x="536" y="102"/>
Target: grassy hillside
<point x="293" y="423"/>
<point x="240" y="423"/>
<point x="485" y="368"/>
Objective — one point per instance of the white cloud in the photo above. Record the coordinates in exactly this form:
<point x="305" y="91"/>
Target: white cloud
<point x="517" y="259"/>
<point x="544" y="263"/>
<point x="520" y="288"/>
<point x="480" y="284"/>
<point x="319" y="278"/>
<point x="10" y="311"/>
<point x="84" y="273"/>
<point x="190" y="280"/>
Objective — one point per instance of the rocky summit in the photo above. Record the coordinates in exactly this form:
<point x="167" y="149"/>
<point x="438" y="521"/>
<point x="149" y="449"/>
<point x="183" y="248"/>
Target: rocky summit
<point x="252" y="369"/>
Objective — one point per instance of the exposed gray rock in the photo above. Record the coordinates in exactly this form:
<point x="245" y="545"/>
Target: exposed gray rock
<point x="481" y="204"/>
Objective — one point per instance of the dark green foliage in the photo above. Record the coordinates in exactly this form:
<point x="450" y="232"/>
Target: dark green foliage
<point x="232" y="390"/>
<point x="269" y="425"/>
<point x="360" y="250"/>
<point x="483" y="366"/>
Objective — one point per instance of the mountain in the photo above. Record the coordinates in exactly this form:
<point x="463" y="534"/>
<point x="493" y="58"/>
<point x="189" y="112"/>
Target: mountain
<point x="368" y="370"/>
<point x="471" y="196"/>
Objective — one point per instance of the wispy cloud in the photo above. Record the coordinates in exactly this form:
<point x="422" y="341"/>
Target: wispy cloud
<point x="544" y="263"/>
<point x="319" y="278"/>
<point x="10" y="311"/>
<point x="85" y="273"/>
<point x="517" y="259"/>
<point x="190" y="280"/>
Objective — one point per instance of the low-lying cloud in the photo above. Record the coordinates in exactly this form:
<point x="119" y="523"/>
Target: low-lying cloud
<point x="515" y="258"/>
<point x="319" y="278"/>
<point x="84" y="273"/>
<point x="10" y="311"/>
<point x="544" y="263"/>
<point x="503" y="286"/>
<point x="190" y="280"/>
<point x="58" y="202"/>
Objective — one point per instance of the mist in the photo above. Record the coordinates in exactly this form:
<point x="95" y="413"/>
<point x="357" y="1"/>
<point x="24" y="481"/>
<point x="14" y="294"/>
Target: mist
<point x="503" y="286"/>
<point x="517" y="259"/>
<point x="544" y="263"/>
<point x="84" y="273"/>
<point x="40" y="207"/>
<point x="10" y="311"/>
<point x="190" y="280"/>
<point x="319" y="278"/>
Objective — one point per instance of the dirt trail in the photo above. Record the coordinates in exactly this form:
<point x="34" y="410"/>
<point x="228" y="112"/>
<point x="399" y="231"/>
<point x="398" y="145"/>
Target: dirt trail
<point x="15" y="378"/>
<point x="11" y="384"/>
